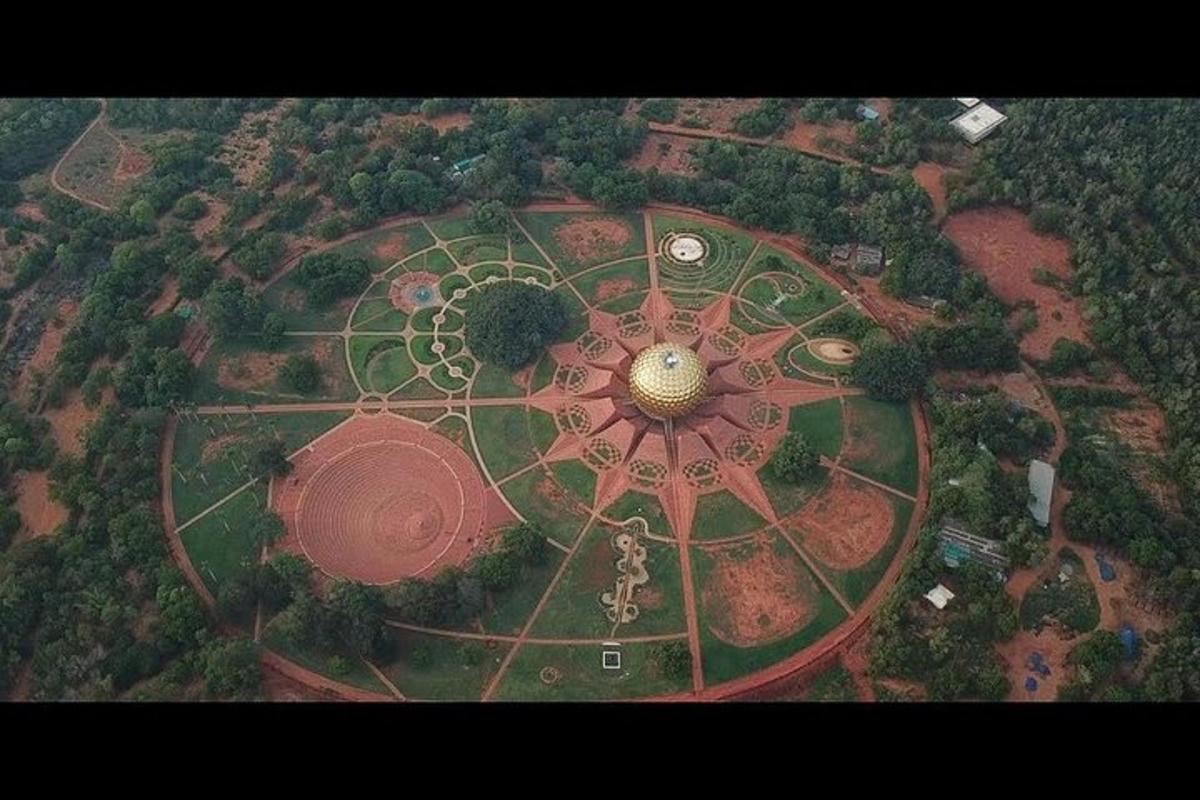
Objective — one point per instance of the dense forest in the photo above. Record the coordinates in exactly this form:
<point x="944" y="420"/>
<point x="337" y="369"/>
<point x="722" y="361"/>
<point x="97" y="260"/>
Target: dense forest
<point x="33" y="132"/>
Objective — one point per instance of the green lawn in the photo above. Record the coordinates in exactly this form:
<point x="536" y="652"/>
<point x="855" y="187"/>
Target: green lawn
<point x="728" y="251"/>
<point x="577" y="478"/>
<point x="882" y="442"/>
<point x="311" y="659"/>
<point x="223" y="466"/>
<point x="399" y="242"/>
<point x="509" y="611"/>
<point x="448" y="228"/>
<point x="502" y="433"/>
<point x="442" y="668"/>
<point x="580" y="676"/>
<point x="219" y="545"/>
<point x="787" y="498"/>
<point x="239" y="371"/>
<point x="640" y="504"/>
<point x="613" y="281"/>
<point x="381" y="362"/>
<point x="821" y="425"/>
<point x="287" y="297"/>
<point x="817" y="297"/>
<point x="479" y="249"/>
<point x="721" y="514"/>
<point x="493" y="381"/>
<point x="539" y="499"/>
<point x="574" y="609"/>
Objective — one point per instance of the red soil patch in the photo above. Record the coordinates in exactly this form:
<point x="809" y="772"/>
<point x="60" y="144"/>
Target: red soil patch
<point x="1000" y="243"/>
<point x="393" y="248"/>
<point x="279" y="688"/>
<point x="753" y="597"/>
<point x="380" y="498"/>
<point x="393" y="123"/>
<point x="209" y="222"/>
<point x="846" y="524"/>
<point x="68" y="423"/>
<point x="615" y="287"/>
<point x="931" y="177"/>
<point x="891" y="310"/>
<point x="592" y="238"/>
<point x="718" y="112"/>
<point x="1054" y="649"/>
<point x="522" y="377"/>
<point x="47" y="349"/>
<point x="813" y="136"/>
<point x="212" y="450"/>
<point x="31" y="211"/>
<point x="132" y="164"/>
<point x="39" y="514"/>
<point x="668" y="154"/>
<point x="1143" y="428"/>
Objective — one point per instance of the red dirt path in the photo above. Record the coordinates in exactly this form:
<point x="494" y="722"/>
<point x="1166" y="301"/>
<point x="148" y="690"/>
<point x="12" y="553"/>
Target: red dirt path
<point x="930" y="176"/>
<point x="1000" y="243"/>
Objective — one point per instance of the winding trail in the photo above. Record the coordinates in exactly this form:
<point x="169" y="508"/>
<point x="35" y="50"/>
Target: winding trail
<point x="54" y="172"/>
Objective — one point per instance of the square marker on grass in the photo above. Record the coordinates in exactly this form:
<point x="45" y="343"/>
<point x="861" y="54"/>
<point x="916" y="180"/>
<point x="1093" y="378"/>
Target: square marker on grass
<point x="610" y="659"/>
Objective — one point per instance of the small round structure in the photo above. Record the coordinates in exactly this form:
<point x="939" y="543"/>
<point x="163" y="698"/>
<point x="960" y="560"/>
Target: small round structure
<point x="685" y="248"/>
<point x="667" y="381"/>
<point x="833" y="351"/>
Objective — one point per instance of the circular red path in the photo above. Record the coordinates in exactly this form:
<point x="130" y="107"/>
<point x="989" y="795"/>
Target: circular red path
<point x="388" y="509"/>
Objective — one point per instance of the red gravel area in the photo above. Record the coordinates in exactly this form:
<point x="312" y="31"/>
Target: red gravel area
<point x="381" y="498"/>
<point x="753" y="597"/>
<point x="666" y="153"/>
<point x="846" y="524"/>
<point x="1000" y="243"/>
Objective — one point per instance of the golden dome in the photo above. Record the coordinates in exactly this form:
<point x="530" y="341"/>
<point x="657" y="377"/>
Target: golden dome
<point x="667" y="380"/>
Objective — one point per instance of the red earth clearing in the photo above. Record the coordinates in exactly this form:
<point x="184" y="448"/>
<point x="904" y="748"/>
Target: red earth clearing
<point x="666" y="153"/>
<point x="39" y="514"/>
<point x="930" y="176"/>
<point x="380" y="498"/>
<point x="753" y="597"/>
<point x="718" y="112"/>
<point x="846" y="524"/>
<point x="1015" y="385"/>
<point x="1000" y="243"/>
<point x="68" y="423"/>
<point x="43" y="357"/>
<point x="812" y="136"/>
<point x="30" y="211"/>
<point x="592" y="238"/>
<point x="167" y="299"/>
<point x="132" y="164"/>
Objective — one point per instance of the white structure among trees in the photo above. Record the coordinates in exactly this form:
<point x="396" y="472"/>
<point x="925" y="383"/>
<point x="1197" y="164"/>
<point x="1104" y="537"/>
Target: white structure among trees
<point x="978" y="122"/>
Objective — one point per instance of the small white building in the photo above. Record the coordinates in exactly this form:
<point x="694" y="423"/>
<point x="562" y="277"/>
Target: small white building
<point x="968" y="101"/>
<point x="978" y="122"/>
<point x="1041" y="486"/>
<point x="939" y="596"/>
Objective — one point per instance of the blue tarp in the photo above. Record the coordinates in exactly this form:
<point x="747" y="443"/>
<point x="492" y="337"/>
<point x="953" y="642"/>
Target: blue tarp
<point x="1107" y="573"/>
<point x="1031" y="684"/>
<point x="1129" y="640"/>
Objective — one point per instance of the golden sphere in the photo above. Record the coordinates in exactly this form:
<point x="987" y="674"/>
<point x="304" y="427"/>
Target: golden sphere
<point x="667" y="380"/>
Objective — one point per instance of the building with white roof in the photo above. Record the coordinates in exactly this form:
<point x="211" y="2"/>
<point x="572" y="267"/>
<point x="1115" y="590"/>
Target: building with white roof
<point x="1041" y="486"/>
<point x="968" y="101"/>
<point x="978" y="122"/>
<point x="939" y="596"/>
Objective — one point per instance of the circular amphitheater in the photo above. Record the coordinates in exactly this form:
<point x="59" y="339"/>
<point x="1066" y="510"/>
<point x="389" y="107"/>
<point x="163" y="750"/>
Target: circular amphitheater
<point x="833" y="351"/>
<point x="377" y="510"/>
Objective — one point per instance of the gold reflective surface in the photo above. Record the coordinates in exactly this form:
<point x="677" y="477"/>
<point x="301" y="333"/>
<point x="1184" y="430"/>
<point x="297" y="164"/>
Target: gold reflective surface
<point x="667" y="380"/>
